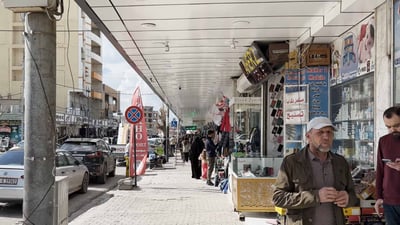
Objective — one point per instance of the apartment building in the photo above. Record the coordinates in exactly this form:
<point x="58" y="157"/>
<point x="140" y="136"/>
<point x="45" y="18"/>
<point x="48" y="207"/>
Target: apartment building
<point x="83" y="100"/>
<point x="151" y="117"/>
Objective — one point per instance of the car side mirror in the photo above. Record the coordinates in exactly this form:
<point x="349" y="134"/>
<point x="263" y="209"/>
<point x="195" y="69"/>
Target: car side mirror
<point x="77" y="162"/>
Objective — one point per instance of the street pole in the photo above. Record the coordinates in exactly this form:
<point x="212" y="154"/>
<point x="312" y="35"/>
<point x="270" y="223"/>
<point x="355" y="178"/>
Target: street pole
<point x="40" y="105"/>
<point x="88" y="113"/>
<point x="167" y="135"/>
<point x="134" y="146"/>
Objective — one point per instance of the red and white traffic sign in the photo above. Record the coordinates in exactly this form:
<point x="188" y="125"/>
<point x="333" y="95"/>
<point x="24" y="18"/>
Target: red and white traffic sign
<point x="133" y="114"/>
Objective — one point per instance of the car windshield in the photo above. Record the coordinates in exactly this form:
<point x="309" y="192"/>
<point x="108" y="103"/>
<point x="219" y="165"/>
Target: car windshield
<point x="79" y="146"/>
<point x="12" y="158"/>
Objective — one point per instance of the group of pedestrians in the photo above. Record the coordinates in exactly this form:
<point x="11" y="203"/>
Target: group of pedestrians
<point x="202" y="154"/>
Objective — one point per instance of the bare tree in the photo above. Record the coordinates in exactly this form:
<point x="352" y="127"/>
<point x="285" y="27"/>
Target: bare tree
<point x="162" y="123"/>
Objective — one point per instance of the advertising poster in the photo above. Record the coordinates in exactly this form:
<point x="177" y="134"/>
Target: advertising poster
<point x="366" y="46"/>
<point x="396" y="39"/>
<point x="349" y="57"/>
<point x="317" y="79"/>
<point x="141" y="140"/>
<point x="336" y="62"/>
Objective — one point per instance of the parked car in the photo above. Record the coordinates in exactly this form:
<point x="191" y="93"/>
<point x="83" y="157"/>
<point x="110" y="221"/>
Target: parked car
<point x="12" y="174"/>
<point x="22" y="142"/>
<point x="95" y="153"/>
<point x="242" y="139"/>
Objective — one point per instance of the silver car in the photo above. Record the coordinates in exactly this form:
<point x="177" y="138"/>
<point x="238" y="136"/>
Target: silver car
<point x="12" y="174"/>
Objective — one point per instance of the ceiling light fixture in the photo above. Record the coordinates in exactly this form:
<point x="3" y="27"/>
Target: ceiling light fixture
<point x="148" y="25"/>
<point x="241" y="22"/>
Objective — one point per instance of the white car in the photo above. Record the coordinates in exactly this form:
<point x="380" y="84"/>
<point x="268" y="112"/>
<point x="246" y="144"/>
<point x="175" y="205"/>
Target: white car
<point x="242" y="139"/>
<point x="12" y="174"/>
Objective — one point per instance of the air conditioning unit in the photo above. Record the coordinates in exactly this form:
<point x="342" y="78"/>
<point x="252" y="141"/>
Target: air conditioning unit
<point x="29" y="5"/>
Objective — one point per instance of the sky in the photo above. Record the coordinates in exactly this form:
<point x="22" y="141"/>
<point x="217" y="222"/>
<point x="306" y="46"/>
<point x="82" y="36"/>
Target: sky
<point x="119" y="75"/>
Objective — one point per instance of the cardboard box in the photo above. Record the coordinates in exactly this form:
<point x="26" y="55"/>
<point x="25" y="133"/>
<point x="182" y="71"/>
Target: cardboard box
<point x="278" y="53"/>
<point x="280" y="211"/>
<point x="366" y="193"/>
<point x="367" y="203"/>
<point x="370" y="211"/>
<point x="315" y="55"/>
<point x="352" y="219"/>
<point x="352" y="211"/>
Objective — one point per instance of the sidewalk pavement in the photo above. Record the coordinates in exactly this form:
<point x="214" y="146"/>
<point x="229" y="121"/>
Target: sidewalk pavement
<point x="168" y="196"/>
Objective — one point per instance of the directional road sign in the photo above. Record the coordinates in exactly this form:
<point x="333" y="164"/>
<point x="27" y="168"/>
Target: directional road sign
<point x="133" y="114"/>
<point x="174" y="123"/>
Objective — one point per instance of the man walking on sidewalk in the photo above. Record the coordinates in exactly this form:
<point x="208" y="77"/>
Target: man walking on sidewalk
<point x="211" y="149"/>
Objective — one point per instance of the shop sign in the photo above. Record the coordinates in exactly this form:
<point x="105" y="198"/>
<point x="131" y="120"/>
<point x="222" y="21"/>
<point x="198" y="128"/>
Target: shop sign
<point x="193" y="127"/>
<point x="60" y="117"/>
<point x="4" y="129"/>
<point x="254" y="64"/>
<point x="246" y="100"/>
<point x="296" y="116"/>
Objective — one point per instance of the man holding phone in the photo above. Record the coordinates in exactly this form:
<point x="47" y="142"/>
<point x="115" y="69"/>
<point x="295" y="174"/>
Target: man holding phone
<point x="388" y="168"/>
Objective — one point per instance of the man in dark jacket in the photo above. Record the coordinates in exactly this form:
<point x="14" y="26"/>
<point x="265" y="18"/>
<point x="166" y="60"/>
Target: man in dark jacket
<point x="195" y="150"/>
<point x="211" y="149"/>
<point x="314" y="185"/>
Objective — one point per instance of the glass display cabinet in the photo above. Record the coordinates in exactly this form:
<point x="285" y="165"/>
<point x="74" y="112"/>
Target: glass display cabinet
<point x="352" y="105"/>
<point x="252" y="181"/>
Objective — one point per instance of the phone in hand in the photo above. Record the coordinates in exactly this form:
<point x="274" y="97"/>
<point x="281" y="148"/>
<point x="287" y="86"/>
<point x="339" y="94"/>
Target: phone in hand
<point x="386" y="160"/>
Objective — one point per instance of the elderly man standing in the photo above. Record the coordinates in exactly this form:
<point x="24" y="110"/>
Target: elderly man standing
<point x="314" y="184"/>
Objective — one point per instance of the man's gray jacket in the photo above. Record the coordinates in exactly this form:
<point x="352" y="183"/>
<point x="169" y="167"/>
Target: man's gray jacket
<point x="294" y="188"/>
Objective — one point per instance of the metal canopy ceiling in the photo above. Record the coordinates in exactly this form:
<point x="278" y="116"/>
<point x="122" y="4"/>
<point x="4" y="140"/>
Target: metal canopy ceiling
<point x="189" y="50"/>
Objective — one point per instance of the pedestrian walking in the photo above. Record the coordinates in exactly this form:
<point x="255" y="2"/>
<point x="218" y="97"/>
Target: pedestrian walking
<point x="204" y="164"/>
<point x="195" y="150"/>
<point x="185" y="149"/>
<point x="211" y="149"/>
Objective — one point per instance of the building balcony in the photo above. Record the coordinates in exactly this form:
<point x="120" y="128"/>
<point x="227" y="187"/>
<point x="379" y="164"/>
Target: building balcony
<point x="97" y="76"/>
<point x="97" y="95"/>
<point x="96" y="57"/>
<point x="95" y="38"/>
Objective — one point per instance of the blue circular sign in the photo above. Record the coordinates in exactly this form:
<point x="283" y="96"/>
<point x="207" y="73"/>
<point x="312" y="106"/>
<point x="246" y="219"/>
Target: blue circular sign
<point x="133" y="114"/>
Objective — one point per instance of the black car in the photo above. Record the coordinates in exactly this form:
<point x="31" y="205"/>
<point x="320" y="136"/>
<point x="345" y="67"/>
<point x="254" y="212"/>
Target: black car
<point x="95" y="153"/>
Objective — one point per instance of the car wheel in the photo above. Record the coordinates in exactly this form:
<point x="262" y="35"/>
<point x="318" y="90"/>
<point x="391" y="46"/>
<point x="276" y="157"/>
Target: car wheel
<point x="85" y="183"/>
<point x="103" y="177"/>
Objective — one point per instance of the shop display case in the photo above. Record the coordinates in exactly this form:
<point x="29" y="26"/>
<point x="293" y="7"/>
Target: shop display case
<point x="246" y="116"/>
<point x="352" y="105"/>
<point x="252" y="181"/>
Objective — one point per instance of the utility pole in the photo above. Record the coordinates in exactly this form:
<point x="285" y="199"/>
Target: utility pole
<point x="88" y="112"/>
<point x="167" y="134"/>
<point x="40" y="106"/>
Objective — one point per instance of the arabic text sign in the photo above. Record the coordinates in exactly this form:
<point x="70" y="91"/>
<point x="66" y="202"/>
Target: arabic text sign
<point x="296" y="117"/>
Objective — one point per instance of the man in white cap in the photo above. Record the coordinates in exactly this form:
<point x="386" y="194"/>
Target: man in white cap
<point x="314" y="184"/>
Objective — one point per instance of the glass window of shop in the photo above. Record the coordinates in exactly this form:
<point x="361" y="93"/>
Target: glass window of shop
<point x="396" y="49"/>
<point x="246" y="114"/>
